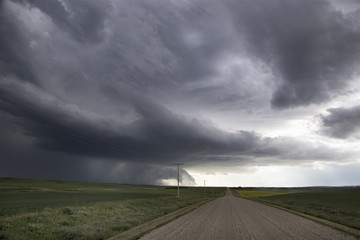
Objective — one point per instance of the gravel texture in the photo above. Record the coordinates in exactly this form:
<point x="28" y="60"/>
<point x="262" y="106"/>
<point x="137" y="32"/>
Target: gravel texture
<point x="232" y="218"/>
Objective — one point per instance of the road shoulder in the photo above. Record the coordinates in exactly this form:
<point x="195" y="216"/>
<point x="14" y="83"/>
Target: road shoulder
<point x="354" y="232"/>
<point x="138" y="231"/>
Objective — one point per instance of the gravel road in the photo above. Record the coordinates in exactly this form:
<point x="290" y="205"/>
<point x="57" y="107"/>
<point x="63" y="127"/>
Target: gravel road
<point x="232" y="218"/>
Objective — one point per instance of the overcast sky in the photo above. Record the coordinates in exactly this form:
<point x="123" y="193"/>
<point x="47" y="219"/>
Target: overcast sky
<point x="243" y="92"/>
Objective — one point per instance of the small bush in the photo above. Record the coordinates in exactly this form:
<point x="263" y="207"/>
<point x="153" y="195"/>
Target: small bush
<point x="67" y="211"/>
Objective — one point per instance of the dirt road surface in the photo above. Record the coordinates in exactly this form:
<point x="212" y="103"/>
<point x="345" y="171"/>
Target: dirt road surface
<point x="233" y="218"/>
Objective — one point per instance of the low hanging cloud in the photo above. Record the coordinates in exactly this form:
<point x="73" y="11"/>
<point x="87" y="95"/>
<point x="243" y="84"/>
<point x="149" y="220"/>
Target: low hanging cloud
<point x="19" y="158"/>
<point x="341" y="123"/>
<point x="157" y="136"/>
<point x="149" y="174"/>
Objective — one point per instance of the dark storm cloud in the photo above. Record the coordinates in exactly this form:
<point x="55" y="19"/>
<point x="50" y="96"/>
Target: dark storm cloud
<point x="189" y="35"/>
<point x="276" y="151"/>
<point x="14" y="52"/>
<point x="158" y="135"/>
<point x="341" y="122"/>
<point x="302" y="43"/>
<point x="82" y="20"/>
<point x="312" y="48"/>
<point x="147" y="174"/>
<point x="94" y="80"/>
<point x="20" y="159"/>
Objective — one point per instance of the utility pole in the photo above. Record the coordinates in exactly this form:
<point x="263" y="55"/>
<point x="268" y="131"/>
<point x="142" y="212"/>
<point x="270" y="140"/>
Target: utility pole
<point x="204" y="187"/>
<point x="178" y="177"/>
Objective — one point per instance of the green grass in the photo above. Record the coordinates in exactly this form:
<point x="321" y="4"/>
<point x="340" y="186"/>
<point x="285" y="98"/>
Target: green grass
<point x="21" y="196"/>
<point x="36" y="209"/>
<point x="341" y="207"/>
<point x="256" y="194"/>
<point x="336" y="204"/>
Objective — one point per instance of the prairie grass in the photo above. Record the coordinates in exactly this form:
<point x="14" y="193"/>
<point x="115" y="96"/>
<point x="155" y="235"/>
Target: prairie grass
<point x="256" y="194"/>
<point x="21" y="196"/>
<point x="62" y="210"/>
<point x="336" y="204"/>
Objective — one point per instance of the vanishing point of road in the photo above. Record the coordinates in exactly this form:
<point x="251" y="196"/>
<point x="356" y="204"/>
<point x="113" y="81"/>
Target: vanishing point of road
<point x="233" y="218"/>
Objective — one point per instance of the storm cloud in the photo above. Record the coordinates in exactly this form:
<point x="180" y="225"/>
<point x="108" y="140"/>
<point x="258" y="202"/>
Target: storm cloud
<point x="341" y="122"/>
<point x="125" y="84"/>
<point x="156" y="136"/>
<point x="312" y="48"/>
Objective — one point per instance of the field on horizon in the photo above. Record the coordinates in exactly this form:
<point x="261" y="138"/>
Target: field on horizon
<point x="336" y="204"/>
<point x="47" y="209"/>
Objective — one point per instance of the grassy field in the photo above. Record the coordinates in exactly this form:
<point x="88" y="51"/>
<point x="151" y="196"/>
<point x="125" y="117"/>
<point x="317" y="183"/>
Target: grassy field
<point x="337" y="204"/>
<point x="21" y="196"/>
<point x="38" y="209"/>
<point x="256" y="194"/>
